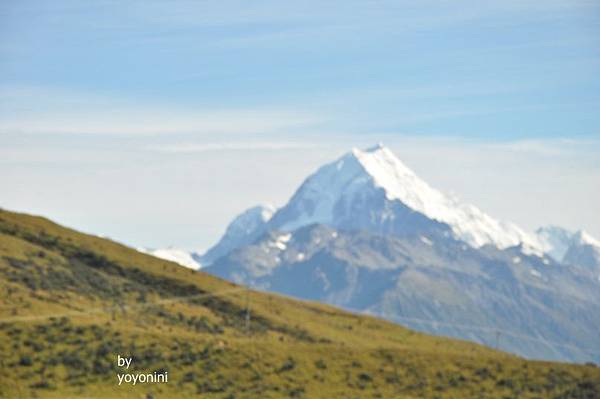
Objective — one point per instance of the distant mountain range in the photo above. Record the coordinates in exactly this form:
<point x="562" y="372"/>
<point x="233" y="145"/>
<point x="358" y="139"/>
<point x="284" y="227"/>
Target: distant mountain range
<point x="367" y="234"/>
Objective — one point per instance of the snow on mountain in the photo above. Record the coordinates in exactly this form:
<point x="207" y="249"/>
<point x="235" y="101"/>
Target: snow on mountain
<point x="373" y="190"/>
<point x="181" y="256"/>
<point x="584" y="251"/>
<point x="468" y="222"/>
<point x="583" y="238"/>
<point x="555" y="240"/>
<point x="359" y="174"/>
<point x="242" y="230"/>
<point x="567" y="246"/>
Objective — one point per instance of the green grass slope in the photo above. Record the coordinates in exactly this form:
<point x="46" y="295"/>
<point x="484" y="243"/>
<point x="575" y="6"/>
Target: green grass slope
<point x="71" y="302"/>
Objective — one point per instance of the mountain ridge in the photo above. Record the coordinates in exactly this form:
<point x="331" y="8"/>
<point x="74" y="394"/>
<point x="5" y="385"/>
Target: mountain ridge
<point x="378" y="168"/>
<point x="440" y="287"/>
<point x="507" y="278"/>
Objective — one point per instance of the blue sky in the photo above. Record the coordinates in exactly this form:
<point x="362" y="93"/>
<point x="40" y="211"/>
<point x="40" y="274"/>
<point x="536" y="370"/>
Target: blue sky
<point x="99" y="93"/>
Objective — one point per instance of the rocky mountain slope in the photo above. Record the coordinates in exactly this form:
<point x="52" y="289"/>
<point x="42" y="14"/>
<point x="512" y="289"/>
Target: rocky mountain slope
<point x="521" y="303"/>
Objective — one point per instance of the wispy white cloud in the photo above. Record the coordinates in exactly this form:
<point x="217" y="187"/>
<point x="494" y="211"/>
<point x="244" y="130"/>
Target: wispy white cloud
<point x="230" y="146"/>
<point x="45" y="111"/>
<point x="294" y="22"/>
<point x="150" y="121"/>
<point x="547" y="147"/>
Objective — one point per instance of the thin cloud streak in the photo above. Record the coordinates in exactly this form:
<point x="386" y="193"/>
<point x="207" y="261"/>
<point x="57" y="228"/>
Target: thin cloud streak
<point x="157" y="122"/>
<point x="41" y="110"/>
<point x="230" y="146"/>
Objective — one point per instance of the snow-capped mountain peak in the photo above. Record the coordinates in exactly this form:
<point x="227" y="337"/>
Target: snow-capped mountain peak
<point x="557" y="241"/>
<point x="366" y="232"/>
<point x="250" y="219"/>
<point x="359" y="172"/>
<point x="242" y="230"/>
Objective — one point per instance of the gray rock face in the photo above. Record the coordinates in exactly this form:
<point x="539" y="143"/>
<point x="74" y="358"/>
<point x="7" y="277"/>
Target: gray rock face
<point x="524" y="304"/>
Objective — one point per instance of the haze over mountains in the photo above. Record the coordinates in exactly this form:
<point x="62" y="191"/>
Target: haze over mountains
<point x="366" y="233"/>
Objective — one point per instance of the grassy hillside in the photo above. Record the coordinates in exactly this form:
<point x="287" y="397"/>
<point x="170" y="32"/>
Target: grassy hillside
<point x="70" y="303"/>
